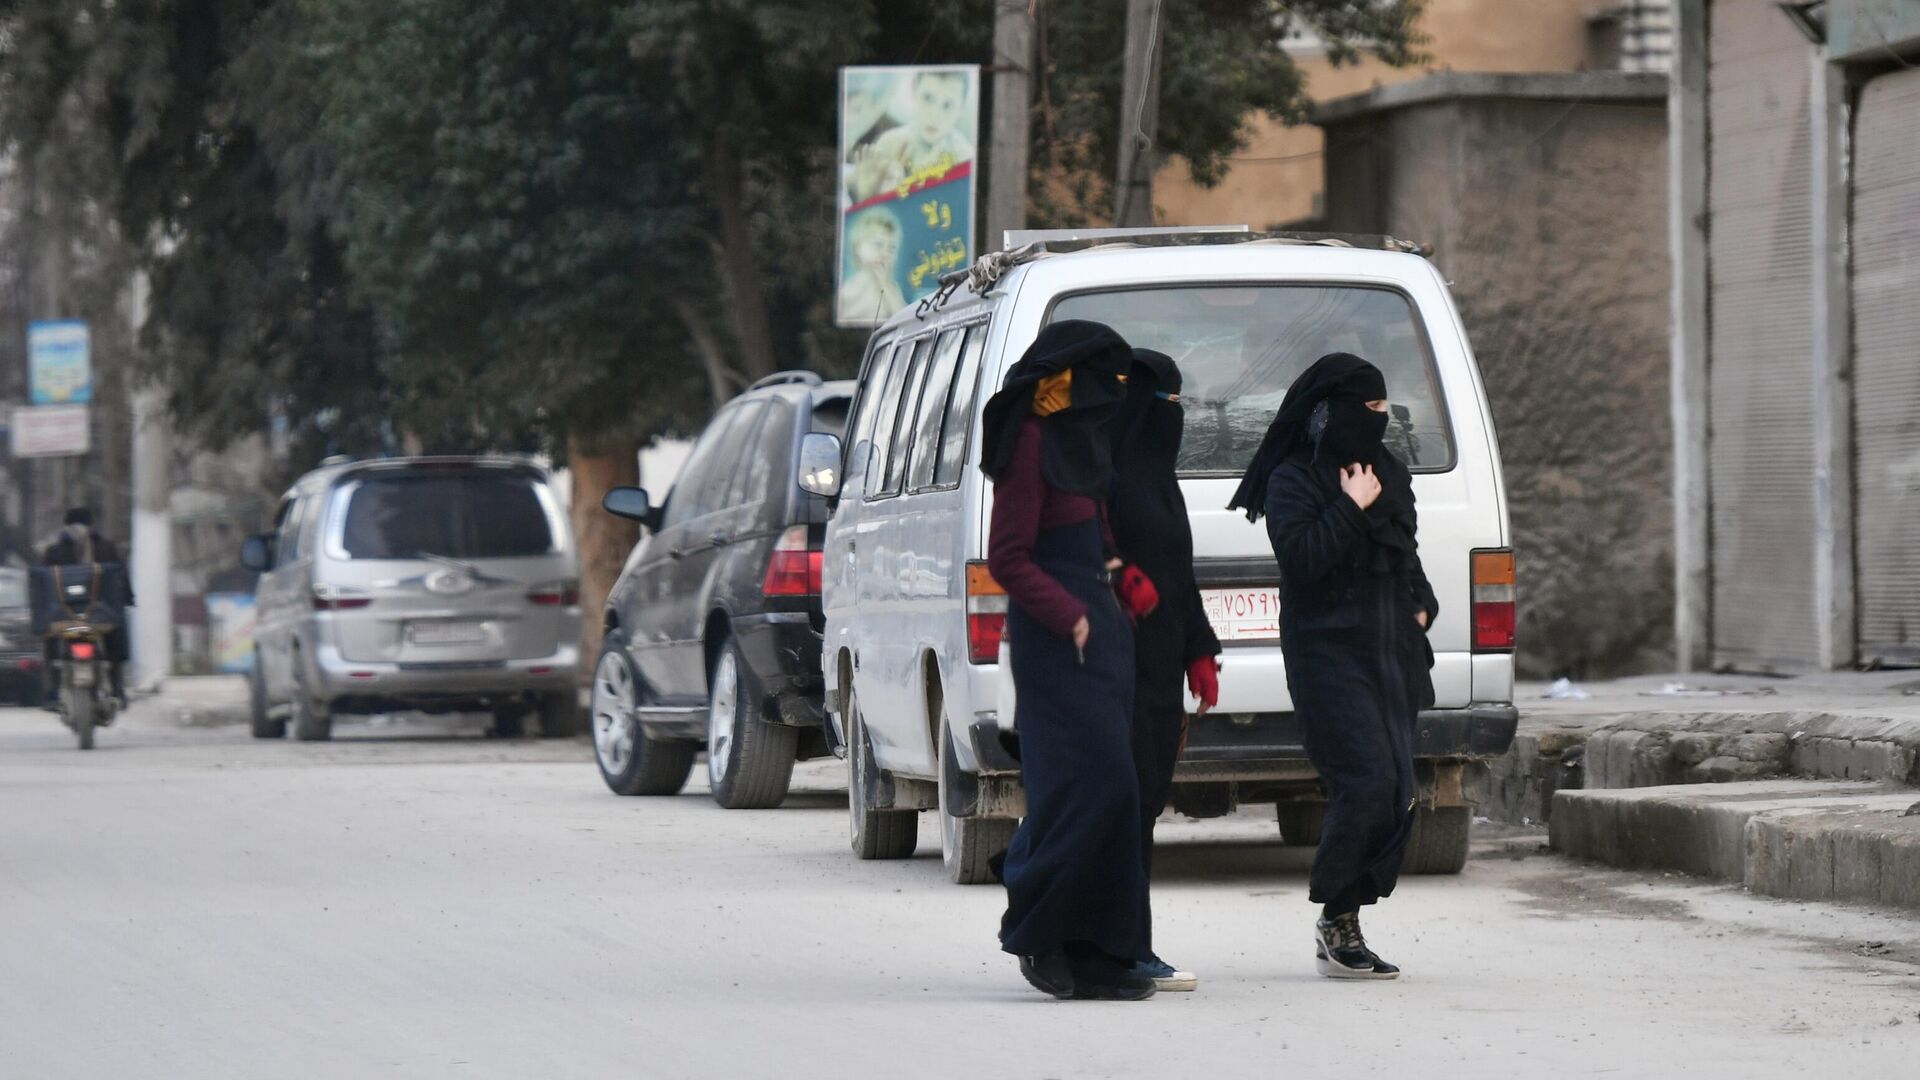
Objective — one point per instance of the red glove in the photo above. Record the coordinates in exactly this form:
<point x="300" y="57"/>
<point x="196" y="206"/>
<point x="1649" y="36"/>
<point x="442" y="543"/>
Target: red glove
<point x="1137" y="591"/>
<point x="1203" y="678"/>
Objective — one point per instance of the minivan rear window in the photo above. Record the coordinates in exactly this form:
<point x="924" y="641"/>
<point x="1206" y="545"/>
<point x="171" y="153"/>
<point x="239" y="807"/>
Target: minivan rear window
<point x="1239" y="348"/>
<point x="459" y="514"/>
<point x="13" y="589"/>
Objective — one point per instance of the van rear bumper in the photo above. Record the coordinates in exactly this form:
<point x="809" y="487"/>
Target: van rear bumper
<point x="333" y="677"/>
<point x="1477" y="731"/>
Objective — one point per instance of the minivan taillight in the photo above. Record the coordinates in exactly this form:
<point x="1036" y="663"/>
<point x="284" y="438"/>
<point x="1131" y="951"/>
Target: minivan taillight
<point x="1493" y="601"/>
<point x="338" y="598"/>
<point x="986" y="614"/>
<point x="555" y="594"/>
<point x="794" y="567"/>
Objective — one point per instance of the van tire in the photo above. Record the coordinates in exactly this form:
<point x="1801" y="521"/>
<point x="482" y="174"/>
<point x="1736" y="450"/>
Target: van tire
<point x="1300" y="822"/>
<point x="969" y="846"/>
<point x="652" y="766"/>
<point x="509" y="721"/>
<point x="874" y="834"/>
<point x="752" y="767"/>
<point x="1442" y="836"/>
<point x="264" y="726"/>
<point x="560" y="714"/>
<point x="312" y="722"/>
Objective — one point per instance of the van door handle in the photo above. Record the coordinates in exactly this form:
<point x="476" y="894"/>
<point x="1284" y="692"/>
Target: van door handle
<point x="719" y="539"/>
<point x="676" y="553"/>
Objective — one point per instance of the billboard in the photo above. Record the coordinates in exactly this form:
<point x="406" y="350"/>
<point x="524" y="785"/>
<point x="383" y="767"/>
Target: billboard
<point x="49" y="431"/>
<point x="909" y="137"/>
<point x="59" y="363"/>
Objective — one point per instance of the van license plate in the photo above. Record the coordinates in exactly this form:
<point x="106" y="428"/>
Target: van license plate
<point x="446" y="633"/>
<point x="1243" y="614"/>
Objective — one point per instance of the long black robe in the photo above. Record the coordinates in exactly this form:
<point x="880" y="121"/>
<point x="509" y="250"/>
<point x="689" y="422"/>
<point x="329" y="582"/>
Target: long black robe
<point x="1357" y="667"/>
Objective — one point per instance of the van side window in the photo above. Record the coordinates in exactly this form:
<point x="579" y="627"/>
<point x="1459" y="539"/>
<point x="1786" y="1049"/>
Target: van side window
<point x="687" y="499"/>
<point x="902" y="442"/>
<point x="286" y="547"/>
<point x="886" y="418"/>
<point x="933" y="408"/>
<point x="872" y="390"/>
<point x="959" y="420"/>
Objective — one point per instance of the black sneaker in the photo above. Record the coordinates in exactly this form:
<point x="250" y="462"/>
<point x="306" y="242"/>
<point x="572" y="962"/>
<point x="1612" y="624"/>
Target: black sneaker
<point x="1102" y="978"/>
<point x="1164" y="975"/>
<point x="1341" y="952"/>
<point x="1049" y="973"/>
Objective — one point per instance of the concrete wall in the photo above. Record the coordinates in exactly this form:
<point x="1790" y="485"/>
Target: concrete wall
<point x="1277" y="178"/>
<point x="1549" y="217"/>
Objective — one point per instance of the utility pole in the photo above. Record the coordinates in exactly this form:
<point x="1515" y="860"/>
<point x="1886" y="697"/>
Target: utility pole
<point x="152" y="538"/>
<point x="1139" y="116"/>
<point x="1012" y="112"/>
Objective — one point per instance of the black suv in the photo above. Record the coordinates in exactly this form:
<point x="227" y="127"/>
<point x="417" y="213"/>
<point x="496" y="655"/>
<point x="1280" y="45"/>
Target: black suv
<point x="713" y="630"/>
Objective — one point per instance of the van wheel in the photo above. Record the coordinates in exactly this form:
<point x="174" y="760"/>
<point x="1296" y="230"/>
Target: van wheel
<point x="1207" y="800"/>
<point x="875" y="833"/>
<point x="1440" y="840"/>
<point x="264" y="727"/>
<point x="311" y="720"/>
<point x="509" y="721"/>
<point x="630" y="761"/>
<point x="1300" y="822"/>
<point x="749" y="761"/>
<point x="968" y="845"/>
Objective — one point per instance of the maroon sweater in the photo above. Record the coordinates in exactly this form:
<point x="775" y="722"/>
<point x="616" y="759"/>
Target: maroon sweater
<point x="1024" y="504"/>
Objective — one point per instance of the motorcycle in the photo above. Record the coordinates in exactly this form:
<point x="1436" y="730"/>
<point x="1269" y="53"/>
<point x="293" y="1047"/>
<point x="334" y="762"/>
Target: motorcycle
<point x="87" y="700"/>
<point x="76" y="607"/>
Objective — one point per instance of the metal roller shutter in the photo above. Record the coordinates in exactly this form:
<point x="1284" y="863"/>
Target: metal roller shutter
<point x="1886" y="382"/>
<point x="1760" y="292"/>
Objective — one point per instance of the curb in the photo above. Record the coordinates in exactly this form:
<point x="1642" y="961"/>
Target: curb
<point x="1801" y="839"/>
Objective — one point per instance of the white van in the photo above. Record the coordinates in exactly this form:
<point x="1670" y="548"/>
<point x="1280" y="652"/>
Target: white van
<point x="913" y="619"/>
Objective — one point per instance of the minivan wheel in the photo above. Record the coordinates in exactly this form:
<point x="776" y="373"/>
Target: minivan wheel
<point x="264" y="727"/>
<point x="560" y="714"/>
<point x="630" y="762"/>
<point x="875" y="834"/>
<point x="749" y="761"/>
<point x="1441" y="838"/>
<point x="1300" y="822"/>
<point x="311" y="720"/>
<point x="968" y="846"/>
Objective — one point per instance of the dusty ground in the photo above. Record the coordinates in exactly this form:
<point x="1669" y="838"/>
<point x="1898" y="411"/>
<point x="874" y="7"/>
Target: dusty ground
<point x="415" y="901"/>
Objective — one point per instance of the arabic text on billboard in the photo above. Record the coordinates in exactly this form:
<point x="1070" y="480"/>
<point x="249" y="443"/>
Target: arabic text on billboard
<point x="59" y="367"/>
<point x="908" y="143"/>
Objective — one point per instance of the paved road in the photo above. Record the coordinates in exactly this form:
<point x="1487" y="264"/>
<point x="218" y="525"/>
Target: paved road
<point x="419" y="902"/>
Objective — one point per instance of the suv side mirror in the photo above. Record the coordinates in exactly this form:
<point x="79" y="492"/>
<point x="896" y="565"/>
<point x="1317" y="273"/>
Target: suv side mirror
<point x="631" y="503"/>
<point x="820" y="464"/>
<point x="256" y="552"/>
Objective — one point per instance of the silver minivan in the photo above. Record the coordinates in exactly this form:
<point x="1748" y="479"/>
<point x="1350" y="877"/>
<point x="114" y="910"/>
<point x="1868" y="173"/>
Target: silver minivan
<point x="913" y="618"/>
<point x="437" y="584"/>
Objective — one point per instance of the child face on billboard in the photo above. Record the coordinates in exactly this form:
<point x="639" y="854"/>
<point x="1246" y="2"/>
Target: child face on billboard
<point x="937" y="102"/>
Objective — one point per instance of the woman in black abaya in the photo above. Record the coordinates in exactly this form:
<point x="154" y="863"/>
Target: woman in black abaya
<point x="1172" y="638"/>
<point x="1075" y="887"/>
<point x="1354" y="608"/>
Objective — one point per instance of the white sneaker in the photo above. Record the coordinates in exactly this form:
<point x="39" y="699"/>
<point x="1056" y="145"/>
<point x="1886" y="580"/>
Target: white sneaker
<point x="1165" y="976"/>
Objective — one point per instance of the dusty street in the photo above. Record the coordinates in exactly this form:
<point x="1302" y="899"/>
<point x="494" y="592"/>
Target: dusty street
<point x="410" y="901"/>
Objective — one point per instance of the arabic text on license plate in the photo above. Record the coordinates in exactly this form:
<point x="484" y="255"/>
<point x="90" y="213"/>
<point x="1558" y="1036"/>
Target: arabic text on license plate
<point x="1243" y="614"/>
<point x="446" y="633"/>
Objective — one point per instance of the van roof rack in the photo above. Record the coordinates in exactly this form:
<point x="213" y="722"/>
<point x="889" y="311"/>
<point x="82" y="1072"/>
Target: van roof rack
<point x="786" y="378"/>
<point x="1026" y="245"/>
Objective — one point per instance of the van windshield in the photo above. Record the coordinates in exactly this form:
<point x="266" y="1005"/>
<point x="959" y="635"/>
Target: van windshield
<point x="1240" y="347"/>
<point x="461" y="514"/>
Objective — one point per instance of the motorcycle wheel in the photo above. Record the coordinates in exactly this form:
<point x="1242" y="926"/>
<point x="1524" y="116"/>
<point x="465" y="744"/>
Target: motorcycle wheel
<point x="80" y="707"/>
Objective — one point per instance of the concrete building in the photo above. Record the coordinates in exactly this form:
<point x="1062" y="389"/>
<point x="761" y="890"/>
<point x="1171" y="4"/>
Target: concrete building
<point x="1276" y="180"/>
<point x="1545" y="199"/>
<point x="1796" y="346"/>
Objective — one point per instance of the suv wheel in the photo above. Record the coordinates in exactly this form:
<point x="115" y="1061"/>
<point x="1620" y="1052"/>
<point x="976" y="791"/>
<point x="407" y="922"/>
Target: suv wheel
<point x="1440" y="840"/>
<point x="630" y="762"/>
<point x="968" y="846"/>
<point x="876" y="834"/>
<point x="311" y="720"/>
<point x="264" y="727"/>
<point x="749" y="761"/>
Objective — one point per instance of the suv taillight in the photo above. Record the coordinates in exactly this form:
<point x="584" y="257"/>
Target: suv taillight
<point x="339" y="598"/>
<point x="794" y="567"/>
<point x="1493" y="611"/>
<point x="555" y="594"/>
<point x="986" y="614"/>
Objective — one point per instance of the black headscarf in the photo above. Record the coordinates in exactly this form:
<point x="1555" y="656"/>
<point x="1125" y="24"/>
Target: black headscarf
<point x="1146" y="511"/>
<point x="1075" y="451"/>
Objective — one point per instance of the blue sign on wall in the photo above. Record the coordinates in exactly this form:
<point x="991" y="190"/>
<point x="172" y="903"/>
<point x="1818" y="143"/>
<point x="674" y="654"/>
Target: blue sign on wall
<point x="59" y="363"/>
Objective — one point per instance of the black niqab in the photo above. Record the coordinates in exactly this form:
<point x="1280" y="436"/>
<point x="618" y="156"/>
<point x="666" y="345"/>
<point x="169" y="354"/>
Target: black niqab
<point x="1147" y="513"/>
<point x="1075" y="448"/>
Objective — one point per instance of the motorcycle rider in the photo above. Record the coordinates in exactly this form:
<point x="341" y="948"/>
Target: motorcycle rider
<point x="79" y="545"/>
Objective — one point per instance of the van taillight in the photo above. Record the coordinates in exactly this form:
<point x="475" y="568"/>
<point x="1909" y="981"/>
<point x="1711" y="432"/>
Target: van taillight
<point x="1493" y="613"/>
<point x="986" y="614"/>
<point x="794" y="567"/>
<point x="555" y="594"/>
<point x="338" y="598"/>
